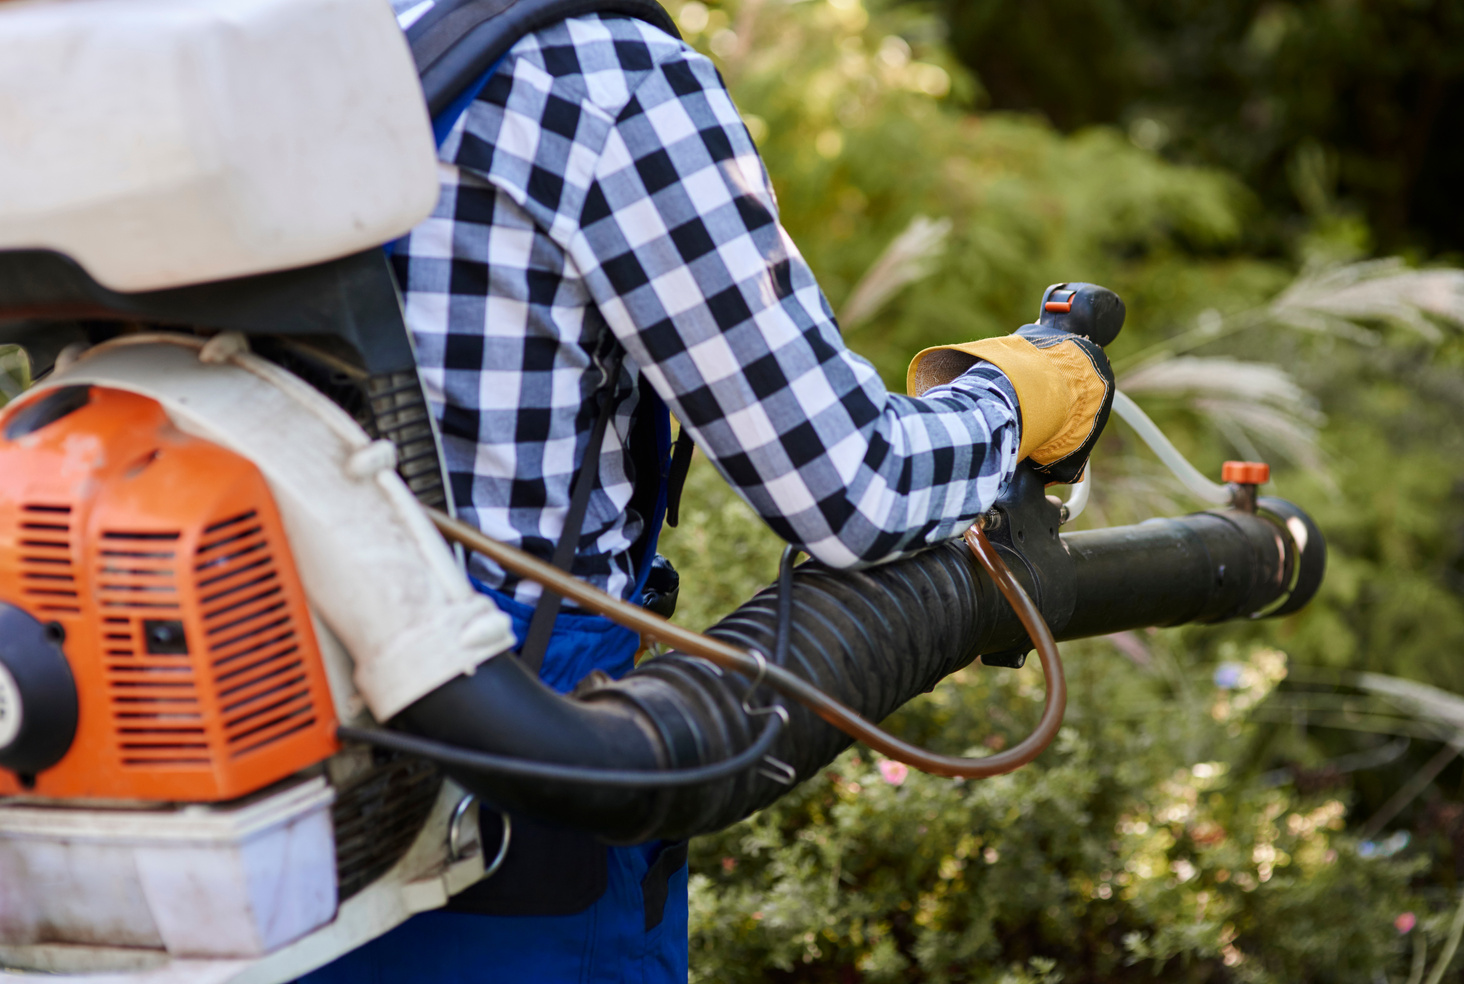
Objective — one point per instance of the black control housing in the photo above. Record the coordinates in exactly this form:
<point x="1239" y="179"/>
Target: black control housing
<point x="31" y="655"/>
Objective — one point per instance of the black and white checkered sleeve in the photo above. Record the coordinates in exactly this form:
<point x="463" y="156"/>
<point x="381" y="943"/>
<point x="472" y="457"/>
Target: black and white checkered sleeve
<point x="679" y="242"/>
<point x="666" y="212"/>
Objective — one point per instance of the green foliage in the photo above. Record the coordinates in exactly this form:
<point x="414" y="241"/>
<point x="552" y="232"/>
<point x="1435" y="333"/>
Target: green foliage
<point x="1161" y="838"/>
<point x="722" y="552"/>
<point x="1306" y="101"/>
<point x="1137" y="847"/>
<point x="851" y="122"/>
<point x="15" y="375"/>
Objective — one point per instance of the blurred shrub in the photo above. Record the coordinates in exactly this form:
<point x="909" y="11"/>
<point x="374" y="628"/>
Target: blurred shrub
<point x="15" y="373"/>
<point x="1155" y="841"/>
<point x="853" y="114"/>
<point x="1309" y="102"/>
<point x="1138" y="848"/>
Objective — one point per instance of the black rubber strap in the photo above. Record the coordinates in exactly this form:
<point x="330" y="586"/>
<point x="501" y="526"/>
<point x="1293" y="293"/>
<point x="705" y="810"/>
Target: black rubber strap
<point x="458" y="40"/>
<point x="541" y="626"/>
<point x="676" y="477"/>
<point x="443" y="33"/>
<point x="656" y="885"/>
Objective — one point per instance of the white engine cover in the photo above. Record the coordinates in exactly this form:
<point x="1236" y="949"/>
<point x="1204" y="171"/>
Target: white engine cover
<point x="376" y="571"/>
<point x="169" y="142"/>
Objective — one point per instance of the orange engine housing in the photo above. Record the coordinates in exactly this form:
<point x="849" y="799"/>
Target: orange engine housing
<point x="163" y="558"/>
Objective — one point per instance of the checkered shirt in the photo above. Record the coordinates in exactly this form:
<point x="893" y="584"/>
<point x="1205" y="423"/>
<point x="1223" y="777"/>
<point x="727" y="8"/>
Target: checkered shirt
<point x="602" y="192"/>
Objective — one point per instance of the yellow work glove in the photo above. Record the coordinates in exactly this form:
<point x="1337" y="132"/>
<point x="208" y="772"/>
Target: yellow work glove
<point x="1063" y="380"/>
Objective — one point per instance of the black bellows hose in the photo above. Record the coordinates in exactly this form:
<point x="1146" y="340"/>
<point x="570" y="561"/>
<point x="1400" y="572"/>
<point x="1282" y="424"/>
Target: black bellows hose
<point x="873" y="639"/>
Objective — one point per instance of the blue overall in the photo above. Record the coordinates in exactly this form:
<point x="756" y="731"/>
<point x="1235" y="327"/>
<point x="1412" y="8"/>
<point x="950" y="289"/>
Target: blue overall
<point x="606" y="943"/>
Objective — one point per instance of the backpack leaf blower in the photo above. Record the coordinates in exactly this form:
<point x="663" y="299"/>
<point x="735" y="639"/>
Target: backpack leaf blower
<point x="249" y="701"/>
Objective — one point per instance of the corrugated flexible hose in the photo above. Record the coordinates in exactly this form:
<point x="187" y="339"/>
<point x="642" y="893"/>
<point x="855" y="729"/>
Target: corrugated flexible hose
<point x="861" y="644"/>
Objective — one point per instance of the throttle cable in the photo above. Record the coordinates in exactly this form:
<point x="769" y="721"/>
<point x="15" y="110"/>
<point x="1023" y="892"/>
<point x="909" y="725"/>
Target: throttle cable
<point x="507" y="765"/>
<point x="653" y="627"/>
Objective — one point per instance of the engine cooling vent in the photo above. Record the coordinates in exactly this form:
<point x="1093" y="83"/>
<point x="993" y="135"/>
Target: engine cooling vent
<point x="253" y="643"/>
<point x="402" y="417"/>
<point x="378" y="816"/>
<point x="154" y="688"/>
<point x="388" y="405"/>
<point x="48" y="582"/>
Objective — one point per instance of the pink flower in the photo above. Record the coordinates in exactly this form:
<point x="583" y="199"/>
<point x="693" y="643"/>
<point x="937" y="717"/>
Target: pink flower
<point x="894" y="772"/>
<point x="1405" y="922"/>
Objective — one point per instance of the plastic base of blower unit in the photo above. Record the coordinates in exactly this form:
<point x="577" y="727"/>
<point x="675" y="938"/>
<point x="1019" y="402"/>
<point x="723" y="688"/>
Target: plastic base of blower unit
<point x="208" y="890"/>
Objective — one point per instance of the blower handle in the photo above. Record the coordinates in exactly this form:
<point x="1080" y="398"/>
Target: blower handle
<point x="1090" y="317"/>
<point x="1096" y="313"/>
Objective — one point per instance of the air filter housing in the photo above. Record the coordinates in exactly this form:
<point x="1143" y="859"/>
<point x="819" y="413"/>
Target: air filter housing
<point x="158" y="563"/>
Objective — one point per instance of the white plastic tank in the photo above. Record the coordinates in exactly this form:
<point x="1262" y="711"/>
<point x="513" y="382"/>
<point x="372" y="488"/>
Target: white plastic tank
<point x="169" y="142"/>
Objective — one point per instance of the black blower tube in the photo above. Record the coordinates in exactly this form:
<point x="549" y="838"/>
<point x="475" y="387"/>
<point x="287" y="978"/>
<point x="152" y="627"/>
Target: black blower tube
<point x="873" y="639"/>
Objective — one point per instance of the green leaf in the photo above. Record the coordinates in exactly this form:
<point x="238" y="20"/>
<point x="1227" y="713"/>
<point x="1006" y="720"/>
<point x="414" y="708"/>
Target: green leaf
<point x="15" y="372"/>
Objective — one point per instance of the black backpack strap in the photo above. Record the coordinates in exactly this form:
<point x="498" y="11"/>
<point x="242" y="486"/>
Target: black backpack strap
<point x="457" y="41"/>
<point x="541" y="625"/>
<point x="681" y="453"/>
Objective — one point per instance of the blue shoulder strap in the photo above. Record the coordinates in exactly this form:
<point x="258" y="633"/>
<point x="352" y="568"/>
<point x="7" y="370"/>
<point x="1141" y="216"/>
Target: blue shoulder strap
<point x="443" y="122"/>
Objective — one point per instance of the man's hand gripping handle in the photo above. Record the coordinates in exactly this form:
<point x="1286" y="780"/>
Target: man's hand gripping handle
<point x="1057" y="366"/>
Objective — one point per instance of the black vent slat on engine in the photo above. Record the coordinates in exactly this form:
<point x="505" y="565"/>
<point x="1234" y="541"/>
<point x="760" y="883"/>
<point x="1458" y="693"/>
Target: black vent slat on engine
<point x="46" y="565"/>
<point x="251" y="638"/>
<point x="136" y="581"/>
<point x="235" y="668"/>
<point x="277" y="679"/>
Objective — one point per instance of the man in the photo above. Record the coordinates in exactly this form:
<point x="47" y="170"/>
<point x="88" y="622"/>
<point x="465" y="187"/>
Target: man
<point x="607" y="238"/>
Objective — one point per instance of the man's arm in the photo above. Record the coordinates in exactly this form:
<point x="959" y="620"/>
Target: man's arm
<point x="680" y="244"/>
<point x="666" y="210"/>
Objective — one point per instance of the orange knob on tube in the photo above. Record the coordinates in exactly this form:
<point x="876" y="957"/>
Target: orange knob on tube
<point x="1245" y="472"/>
